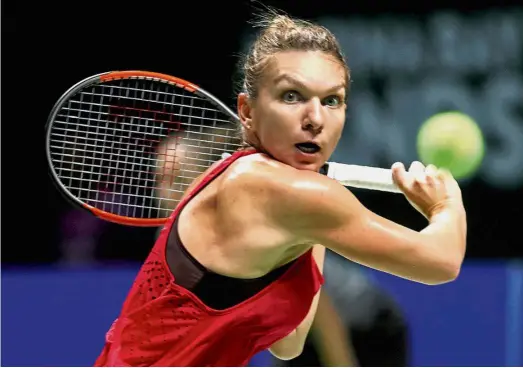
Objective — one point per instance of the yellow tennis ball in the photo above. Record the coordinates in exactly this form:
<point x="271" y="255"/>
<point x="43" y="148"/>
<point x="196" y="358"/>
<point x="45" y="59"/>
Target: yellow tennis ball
<point x="451" y="140"/>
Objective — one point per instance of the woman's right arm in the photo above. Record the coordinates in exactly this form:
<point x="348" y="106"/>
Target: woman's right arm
<point x="315" y="208"/>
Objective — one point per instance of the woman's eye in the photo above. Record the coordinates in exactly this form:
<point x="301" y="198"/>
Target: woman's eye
<point x="332" y="101"/>
<point x="291" y="96"/>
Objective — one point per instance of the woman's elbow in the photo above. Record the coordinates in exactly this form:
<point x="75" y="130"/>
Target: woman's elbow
<point x="446" y="272"/>
<point x="290" y="347"/>
<point x="287" y="353"/>
<point x="453" y="270"/>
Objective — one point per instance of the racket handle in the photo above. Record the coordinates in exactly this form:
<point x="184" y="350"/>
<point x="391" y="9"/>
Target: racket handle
<point x="364" y="177"/>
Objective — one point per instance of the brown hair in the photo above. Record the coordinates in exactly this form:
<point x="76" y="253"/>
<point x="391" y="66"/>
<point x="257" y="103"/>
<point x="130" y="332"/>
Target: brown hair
<point x="280" y="33"/>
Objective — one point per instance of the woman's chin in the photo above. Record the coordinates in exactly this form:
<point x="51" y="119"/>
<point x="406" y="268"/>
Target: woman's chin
<point x="309" y="165"/>
<point x="299" y="160"/>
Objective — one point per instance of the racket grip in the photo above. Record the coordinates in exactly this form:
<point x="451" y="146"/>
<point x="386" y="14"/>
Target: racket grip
<point x="363" y="177"/>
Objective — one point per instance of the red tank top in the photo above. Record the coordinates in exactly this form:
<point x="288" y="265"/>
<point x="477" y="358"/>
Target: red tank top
<point x="164" y="324"/>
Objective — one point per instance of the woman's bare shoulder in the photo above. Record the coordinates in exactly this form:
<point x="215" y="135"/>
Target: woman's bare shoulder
<point x="272" y="184"/>
<point x="261" y="169"/>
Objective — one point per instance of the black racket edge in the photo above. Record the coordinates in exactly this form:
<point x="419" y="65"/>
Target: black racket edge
<point x="97" y="79"/>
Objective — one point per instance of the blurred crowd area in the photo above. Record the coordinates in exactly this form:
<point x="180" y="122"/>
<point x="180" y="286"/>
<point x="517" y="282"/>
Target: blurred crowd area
<point x="408" y="63"/>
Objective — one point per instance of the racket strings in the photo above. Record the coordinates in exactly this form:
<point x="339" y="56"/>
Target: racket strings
<point x="132" y="146"/>
<point x="207" y="138"/>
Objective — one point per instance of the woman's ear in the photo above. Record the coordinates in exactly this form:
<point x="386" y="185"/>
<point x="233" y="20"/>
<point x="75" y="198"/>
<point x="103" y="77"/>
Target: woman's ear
<point x="244" y="111"/>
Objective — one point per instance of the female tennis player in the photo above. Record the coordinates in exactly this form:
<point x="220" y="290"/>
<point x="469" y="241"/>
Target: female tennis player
<point x="238" y="267"/>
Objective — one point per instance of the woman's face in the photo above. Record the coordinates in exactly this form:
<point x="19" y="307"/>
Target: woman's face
<point x="299" y="112"/>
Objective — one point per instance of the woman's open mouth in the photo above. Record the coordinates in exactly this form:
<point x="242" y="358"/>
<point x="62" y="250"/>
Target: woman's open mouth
<point x="308" y="147"/>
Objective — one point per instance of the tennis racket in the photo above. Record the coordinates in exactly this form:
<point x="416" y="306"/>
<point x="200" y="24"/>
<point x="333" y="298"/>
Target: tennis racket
<point x="125" y="145"/>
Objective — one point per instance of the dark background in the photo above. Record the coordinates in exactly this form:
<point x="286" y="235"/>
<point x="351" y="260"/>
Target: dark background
<point x="49" y="46"/>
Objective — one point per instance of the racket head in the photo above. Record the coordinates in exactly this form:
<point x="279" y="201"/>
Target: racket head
<point x="125" y="145"/>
